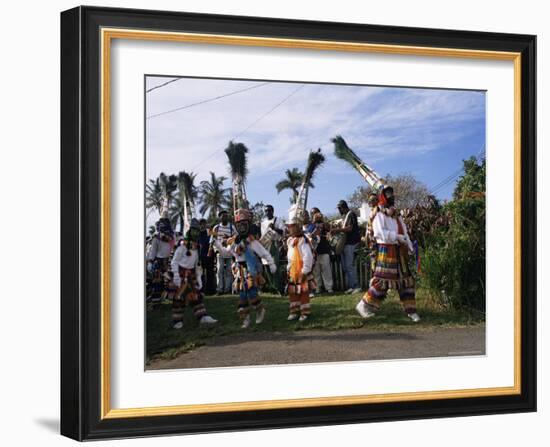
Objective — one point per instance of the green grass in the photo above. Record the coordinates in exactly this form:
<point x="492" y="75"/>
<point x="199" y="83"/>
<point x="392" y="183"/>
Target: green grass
<point x="329" y="312"/>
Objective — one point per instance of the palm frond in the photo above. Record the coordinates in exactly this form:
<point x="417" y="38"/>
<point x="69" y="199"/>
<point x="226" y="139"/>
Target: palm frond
<point x="282" y="185"/>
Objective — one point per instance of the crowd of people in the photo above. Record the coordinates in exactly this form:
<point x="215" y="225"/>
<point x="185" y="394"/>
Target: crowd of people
<point x="240" y="257"/>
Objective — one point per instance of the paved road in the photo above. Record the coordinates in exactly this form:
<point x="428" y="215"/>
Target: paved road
<point x="323" y="346"/>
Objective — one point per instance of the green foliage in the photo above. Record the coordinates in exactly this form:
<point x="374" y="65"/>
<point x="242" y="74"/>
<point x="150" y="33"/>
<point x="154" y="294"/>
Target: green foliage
<point x="214" y="197"/>
<point x="153" y="195"/>
<point x="473" y="180"/>
<point x="293" y="181"/>
<point x="453" y="263"/>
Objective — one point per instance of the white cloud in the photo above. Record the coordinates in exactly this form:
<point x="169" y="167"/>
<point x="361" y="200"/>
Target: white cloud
<point x="376" y="121"/>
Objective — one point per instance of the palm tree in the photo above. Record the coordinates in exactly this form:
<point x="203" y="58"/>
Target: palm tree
<point x="214" y="196"/>
<point x="153" y="196"/>
<point x="293" y="181"/>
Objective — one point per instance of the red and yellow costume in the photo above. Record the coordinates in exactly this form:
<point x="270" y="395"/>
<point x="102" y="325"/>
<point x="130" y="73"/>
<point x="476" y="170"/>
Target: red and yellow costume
<point x="300" y="277"/>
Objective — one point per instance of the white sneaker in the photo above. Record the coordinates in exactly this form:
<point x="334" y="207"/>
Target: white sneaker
<point x="312" y="295"/>
<point x="302" y="318"/>
<point x="207" y="319"/>
<point x="414" y="317"/>
<point x="362" y="310"/>
<point x="347" y="292"/>
<point x="292" y="317"/>
<point x="178" y="325"/>
<point x="356" y="290"/>
<point x="260" y="315"/>
<point x="246" y="322"/>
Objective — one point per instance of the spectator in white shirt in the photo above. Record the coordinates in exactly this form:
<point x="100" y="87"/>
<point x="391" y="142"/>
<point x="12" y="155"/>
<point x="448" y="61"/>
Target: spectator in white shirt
<point x="221" y="233"/>
<point x="276" y="228"/>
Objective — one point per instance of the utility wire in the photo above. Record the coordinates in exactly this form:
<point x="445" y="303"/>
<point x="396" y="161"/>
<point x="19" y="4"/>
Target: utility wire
<point x="162" y="85"/>
<point x="453" y="176"/>
<point x="207" y="100"/>
<point x="252" y="124"/>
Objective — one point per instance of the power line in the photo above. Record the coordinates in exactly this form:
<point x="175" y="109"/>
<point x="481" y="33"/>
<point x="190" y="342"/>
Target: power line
<point x="453" y="176"/>
<point x="207" y="100"/>
<point x="162" y="85"/>
<point x="271" y="110"/>
<point x="445" y="181"/>
<point x="253" y="124"/>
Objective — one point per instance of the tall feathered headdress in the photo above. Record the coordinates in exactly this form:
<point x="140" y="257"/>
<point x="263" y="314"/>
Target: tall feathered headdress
<point x="315" y="159"/>
<point x="343" y="152"/>
<point x="187" y="190"/>
<point x="236" y="154"/>
<point x="167" y="185"/>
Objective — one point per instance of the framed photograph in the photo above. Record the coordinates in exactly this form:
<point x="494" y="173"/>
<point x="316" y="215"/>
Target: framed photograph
<point x="275" y="223"/>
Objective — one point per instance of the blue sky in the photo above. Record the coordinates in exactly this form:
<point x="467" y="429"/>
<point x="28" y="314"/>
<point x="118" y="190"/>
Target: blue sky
<point x="424" y="132"/>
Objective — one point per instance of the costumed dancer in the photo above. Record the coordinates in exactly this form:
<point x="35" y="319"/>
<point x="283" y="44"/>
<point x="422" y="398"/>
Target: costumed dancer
<point x="393" y="244"/>
<point x="244" y="247"/>
<point x="247" y="269"/>
<point x="187" y="277"/>
<point x="300" y="265"/>
<point x="301" y="284"/>
<point x="391" y="270"/>
<point x="158" y="257"/>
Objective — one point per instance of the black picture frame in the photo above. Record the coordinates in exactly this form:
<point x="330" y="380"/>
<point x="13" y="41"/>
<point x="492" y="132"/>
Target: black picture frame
<point x="81" y="223"/>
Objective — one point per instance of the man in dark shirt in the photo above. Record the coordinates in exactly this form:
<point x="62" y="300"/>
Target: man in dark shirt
<point x="207" y="262"/>
<point x="321" y="269"/>
<point x="350" y="227"/>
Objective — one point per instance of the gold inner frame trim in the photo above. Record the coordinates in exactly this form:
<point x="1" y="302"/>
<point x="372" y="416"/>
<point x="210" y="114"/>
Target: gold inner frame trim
<point x="107" y="34"/>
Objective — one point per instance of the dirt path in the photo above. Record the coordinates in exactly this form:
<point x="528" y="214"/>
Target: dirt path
<point x="321" y="346"/>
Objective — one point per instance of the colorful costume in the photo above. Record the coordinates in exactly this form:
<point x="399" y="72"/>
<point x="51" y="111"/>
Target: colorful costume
<point x="247" y="268"/>
<point x="370" y="239"/>
<point x="299" y="251"/>
<point x="185" y="268"/>
<point x="158" y="257"/>
<point x="300" y="276"/>
<point x="391" y="270"/>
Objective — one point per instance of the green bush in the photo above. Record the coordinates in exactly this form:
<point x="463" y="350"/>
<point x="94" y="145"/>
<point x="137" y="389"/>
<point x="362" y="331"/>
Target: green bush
<point x="453" y="263"/>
